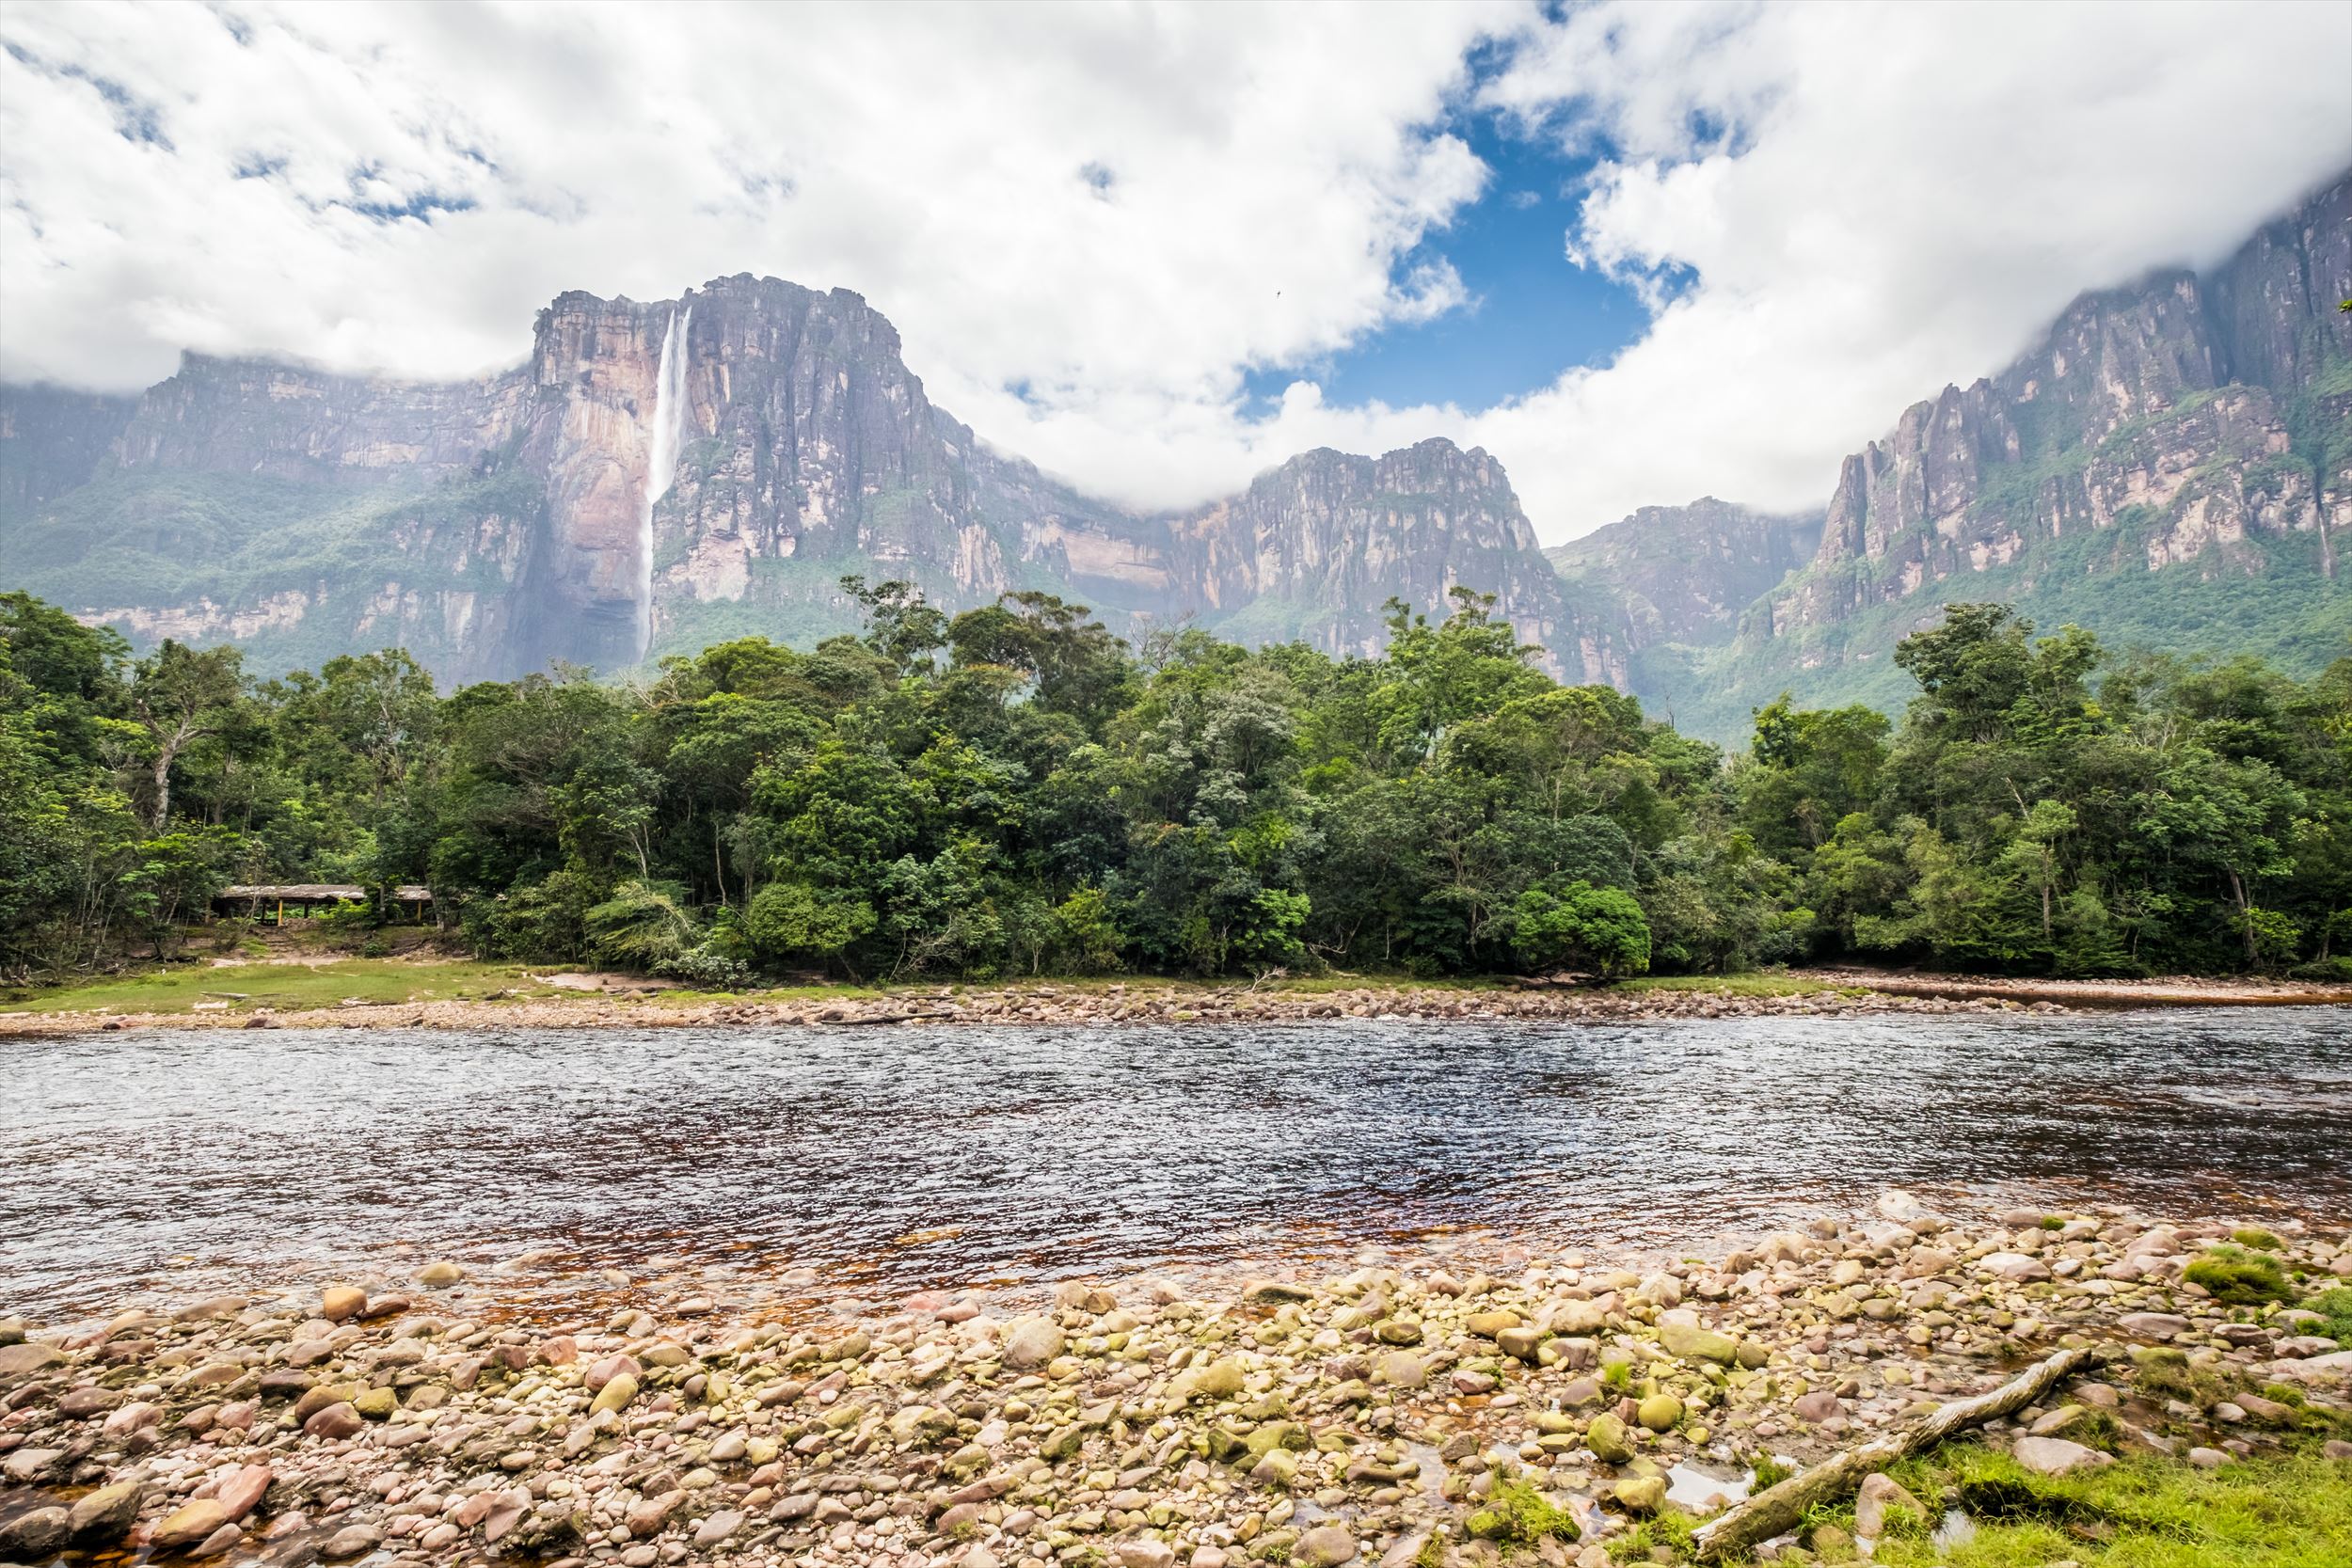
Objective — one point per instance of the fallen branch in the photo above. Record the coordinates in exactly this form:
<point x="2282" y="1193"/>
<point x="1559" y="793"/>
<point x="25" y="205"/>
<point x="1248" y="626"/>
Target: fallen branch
<point x="1783" y="1507"/>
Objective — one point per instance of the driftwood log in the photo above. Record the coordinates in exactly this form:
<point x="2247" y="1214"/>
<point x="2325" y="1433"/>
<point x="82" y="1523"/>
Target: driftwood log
<point x="1783" y="1507"/>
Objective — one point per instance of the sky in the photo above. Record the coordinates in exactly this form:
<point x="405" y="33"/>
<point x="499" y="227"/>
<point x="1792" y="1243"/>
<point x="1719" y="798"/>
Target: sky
<point x="1641" y="253"/>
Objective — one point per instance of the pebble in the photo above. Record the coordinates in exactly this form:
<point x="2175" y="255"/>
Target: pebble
<point x="1333" y="1421"/>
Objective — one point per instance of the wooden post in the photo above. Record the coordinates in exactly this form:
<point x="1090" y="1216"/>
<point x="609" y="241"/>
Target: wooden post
<point x="1783" y="1507"/>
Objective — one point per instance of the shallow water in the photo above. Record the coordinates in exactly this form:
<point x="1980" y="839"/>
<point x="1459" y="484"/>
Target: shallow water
<point x="164" y="1164"/>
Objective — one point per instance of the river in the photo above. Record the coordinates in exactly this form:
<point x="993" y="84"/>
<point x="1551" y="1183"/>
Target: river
<point x="816" y="1163"/>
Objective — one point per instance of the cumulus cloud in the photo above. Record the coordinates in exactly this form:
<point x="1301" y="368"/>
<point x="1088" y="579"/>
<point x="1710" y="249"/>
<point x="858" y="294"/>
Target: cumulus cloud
<point x="1090" y="224"/>
<point x="1867" y="203"/>
<point x="1112" y="209"/>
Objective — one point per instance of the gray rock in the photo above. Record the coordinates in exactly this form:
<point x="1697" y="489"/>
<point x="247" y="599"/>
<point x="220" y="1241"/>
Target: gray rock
<point x="2055" y="1456"/>
<point x="2152" y="1325"/>
<point x="106" y="1513"/>
<point x="1031" y="1342"/>
<point x="28" y="1356"/>
<point x="35" y="1533"/>
<point x="1325" y="1547"/>
<point x="31" y="1464"/>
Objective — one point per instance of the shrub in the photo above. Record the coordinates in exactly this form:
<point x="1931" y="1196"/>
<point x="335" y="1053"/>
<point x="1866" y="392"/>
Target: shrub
<point x="1602" y="926"/>
<point x="705" y="968"/>
<point x="2336" y="1307"/>
<point x="642" y="925"/>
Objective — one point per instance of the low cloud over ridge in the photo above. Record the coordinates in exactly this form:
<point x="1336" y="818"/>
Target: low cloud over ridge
<point x="1090" y="224"/>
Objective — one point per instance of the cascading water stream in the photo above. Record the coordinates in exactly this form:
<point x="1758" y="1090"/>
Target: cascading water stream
<point x="669" y="421"/>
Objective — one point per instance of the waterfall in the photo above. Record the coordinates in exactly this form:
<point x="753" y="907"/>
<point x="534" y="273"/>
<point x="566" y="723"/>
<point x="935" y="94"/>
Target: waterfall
<point x="669" y="423"/>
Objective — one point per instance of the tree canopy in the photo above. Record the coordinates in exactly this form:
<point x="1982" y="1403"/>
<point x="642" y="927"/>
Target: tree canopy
<point x="1014" y="790"/>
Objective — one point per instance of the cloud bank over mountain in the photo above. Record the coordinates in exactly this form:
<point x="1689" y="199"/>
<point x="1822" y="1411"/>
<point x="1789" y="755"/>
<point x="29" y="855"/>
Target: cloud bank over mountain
<point x="1093" y="225"/>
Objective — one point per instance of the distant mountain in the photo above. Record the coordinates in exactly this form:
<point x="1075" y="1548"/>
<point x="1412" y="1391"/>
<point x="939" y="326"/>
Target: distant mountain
<point x="2170" y="466"/>
<point x="659" y="476"/>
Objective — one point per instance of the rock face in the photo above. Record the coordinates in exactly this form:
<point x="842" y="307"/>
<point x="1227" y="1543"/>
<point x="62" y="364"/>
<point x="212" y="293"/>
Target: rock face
<point x="52" y="440"/>
<point x="1673" y="575"/>
<point x="2197" y="426"/>
<point x="661" y="475"/>
<point x="2156" y="425"/>
<point x="1312" y="552"/>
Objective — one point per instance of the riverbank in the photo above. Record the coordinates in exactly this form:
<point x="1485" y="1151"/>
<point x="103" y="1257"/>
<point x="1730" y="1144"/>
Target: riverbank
<point x="320" y="991"/>
<point x="1579" y="1409"/>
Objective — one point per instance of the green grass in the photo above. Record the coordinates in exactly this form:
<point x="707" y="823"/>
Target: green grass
<point x="2336" y="1307"/>
<point x="1515" y="1515"/>
<point x="1739" y="985"/>
<point x="2239" y="1278"/>
<point x="285" y="986"/>
<point x="2284" y="1511"/>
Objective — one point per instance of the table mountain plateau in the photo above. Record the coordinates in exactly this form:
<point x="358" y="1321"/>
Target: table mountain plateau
<point x="2171" y="465"/>
<point x="658" y="476"/>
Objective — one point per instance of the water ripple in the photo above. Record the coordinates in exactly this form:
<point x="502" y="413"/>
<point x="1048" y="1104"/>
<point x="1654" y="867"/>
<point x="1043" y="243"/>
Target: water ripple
<point x="178" y="1161"/>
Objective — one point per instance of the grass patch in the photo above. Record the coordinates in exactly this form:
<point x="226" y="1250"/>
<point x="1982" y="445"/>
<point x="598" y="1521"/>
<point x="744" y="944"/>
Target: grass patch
<point x="1515" y="1515"/>
<point x="2285" y="1512"/>
<point x="1669" y="1531"/>
<point x="287" y="987"/>
<point x="2257" y="1238"/>
<point x="2336" y="1307"/>
<point x="2239" y="1278"/>
<point x="1737" y="985"/>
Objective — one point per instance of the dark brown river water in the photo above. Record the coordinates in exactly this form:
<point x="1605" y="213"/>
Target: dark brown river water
<point x="160" y="1165"/>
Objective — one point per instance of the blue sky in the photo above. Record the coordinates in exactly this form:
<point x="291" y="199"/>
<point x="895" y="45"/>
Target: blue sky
<point x="1533" y="314"/>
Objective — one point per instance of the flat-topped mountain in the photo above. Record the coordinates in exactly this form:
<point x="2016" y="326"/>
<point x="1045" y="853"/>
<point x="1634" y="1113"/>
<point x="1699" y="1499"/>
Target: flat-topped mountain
<point x="660" y="475"/>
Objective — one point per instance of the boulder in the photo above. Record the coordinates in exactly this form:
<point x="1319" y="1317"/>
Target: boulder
<point x="1325" y="1547"/>
<point x="2055" y="1456"/>
<point x="1640" y="1494"/>
<point x="189" y="1524"/>
<point x="35" y="1533"/>
<point x="1682" y="1336"/>
<point x="1881" y="1492"/>
<point x="1661" y="1413"/>
<point x="1031" y="1342"/>
<point x="30" y="1355"/>
<point x="106" y="1514"/>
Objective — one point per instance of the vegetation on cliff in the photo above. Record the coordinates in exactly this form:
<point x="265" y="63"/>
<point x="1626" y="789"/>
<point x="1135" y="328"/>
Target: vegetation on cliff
<point x="1014" y="790"/>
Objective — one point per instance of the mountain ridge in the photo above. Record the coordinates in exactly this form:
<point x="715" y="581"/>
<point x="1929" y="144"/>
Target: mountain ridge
<point x="498" y="524"/>
<point x="2129" y="471"/>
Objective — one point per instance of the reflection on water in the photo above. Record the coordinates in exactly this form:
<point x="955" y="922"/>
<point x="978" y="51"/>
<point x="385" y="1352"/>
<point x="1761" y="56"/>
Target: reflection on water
<point x="906" y="1158"/>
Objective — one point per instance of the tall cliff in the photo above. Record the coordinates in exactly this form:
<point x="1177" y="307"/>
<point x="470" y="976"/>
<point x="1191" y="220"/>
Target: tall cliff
<point x="660" y="475"/>
<point x="1684" y="574"/>
<point x="2169" y="465"/>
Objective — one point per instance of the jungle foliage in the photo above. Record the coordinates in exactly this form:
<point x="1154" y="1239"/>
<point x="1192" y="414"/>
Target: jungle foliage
<point x="1014" y="790"/>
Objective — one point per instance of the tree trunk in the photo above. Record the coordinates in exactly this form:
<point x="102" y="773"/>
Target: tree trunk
<point x="163" y="787"/>
<point x="2245" y="916"/>
<point x="1783" y="1507"/>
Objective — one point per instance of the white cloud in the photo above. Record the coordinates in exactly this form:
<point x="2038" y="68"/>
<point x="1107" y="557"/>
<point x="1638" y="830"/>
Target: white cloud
<point x="1119" y="210"/>
<point x="1876" y="201"/>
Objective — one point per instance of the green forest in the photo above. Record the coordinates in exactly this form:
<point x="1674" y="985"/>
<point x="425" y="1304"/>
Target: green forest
<point x="1014" y="791"/>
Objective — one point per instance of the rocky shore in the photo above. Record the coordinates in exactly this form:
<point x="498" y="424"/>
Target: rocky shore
<point x="604" y="1001"/>
<point x="1395" y="1417"/>
<point x="1035" y="1006"/>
